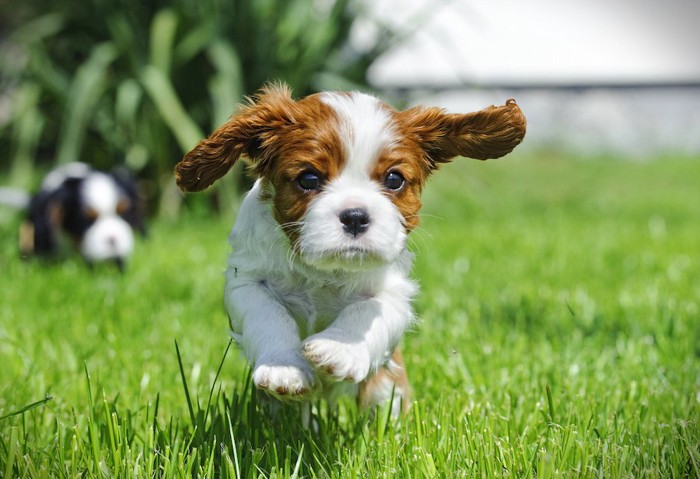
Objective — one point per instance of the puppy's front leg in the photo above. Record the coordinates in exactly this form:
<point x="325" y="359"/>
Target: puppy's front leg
<point x="270" y="340"/>
<point x="361" y="339"/>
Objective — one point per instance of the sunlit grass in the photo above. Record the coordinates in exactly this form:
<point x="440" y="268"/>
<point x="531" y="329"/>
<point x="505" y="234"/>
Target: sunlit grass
<point x="559" y="336"/>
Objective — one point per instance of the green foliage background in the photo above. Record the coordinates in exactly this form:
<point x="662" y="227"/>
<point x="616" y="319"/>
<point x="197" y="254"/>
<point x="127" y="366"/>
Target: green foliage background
<point x="111" y="82"/>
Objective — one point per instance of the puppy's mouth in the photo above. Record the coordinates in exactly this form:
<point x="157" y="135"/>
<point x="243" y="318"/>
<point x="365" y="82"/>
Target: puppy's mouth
<point x="350" y="258"/>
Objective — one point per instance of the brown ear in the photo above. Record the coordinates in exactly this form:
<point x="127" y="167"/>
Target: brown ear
<point x="489" y="133"/>
<point x="243" y="134"/>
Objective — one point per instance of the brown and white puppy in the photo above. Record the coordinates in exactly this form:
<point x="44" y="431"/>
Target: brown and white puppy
<point x="317" y="287"/>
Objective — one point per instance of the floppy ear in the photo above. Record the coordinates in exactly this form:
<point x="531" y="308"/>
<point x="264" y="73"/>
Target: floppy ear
<point x="489" y="133"/>
<point x="245" y="133"/>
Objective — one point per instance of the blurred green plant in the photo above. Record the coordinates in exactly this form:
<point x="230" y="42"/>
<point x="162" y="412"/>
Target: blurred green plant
<point x="139" y="83"/>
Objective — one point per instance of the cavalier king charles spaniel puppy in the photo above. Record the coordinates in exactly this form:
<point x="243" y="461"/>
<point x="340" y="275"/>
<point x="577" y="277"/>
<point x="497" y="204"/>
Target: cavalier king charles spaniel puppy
<point x="98" y="211"/>
<point x="317" y="286"/>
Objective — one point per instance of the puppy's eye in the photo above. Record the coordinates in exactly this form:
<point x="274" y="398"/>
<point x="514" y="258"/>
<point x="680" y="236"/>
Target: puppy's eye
<point x="309" y="181"/>
<point x="394" y="181"/>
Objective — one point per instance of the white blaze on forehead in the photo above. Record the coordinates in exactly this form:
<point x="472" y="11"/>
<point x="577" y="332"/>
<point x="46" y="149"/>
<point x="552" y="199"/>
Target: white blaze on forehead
<point x="100" y="193"/>
<point x="365" y="129"/>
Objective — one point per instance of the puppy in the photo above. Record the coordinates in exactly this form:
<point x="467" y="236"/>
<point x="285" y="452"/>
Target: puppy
<point x="98" y="211"/>
<point x="317" y="286"/>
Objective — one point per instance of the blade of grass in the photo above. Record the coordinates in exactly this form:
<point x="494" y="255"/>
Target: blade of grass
<point x="39" y="28"/>
<point x="550" y="404"/>
<point x="163" y="29"/>
<point x="234" y="449"/>
<point x="164" y="96"/>
<point x="216" y="377"/>
<point x="184" y="384"/>
<point x="12" y="451"/>
<point x="226" y="86"/>
<point x="85" y="91"/>
<point x="28" y="407"/>
<point x="26" y="131"/>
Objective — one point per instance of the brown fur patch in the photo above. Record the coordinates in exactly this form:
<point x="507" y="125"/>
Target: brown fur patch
<point x="407" y="159"/>
<point x="26" y="238"/>
<point x="394" y="374"/>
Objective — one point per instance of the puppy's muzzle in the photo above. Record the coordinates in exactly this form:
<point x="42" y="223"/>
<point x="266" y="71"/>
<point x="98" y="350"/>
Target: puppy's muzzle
<point x="355" y="221"/>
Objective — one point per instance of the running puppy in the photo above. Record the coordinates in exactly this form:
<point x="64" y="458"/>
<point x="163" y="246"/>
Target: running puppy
<point x="317" y="287"/>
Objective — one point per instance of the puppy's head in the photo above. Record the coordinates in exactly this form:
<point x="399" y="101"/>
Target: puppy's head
<point x="97" y="210"/>
<point x="100" y="219"/>
<point x="344" y="171"/>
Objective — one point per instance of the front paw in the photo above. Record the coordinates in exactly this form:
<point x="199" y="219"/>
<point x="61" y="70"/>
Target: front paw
<point x="292" y="379"/>
<point x="342" y="361"/>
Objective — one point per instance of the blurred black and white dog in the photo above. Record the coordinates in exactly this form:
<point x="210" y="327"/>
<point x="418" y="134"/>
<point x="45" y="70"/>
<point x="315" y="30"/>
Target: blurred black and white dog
<point x="98" y="211"/>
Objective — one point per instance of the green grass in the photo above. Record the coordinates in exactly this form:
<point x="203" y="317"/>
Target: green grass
<point x="559" y="337"/>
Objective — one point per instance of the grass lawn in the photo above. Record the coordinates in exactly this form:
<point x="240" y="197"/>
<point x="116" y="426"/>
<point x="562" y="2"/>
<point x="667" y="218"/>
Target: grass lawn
<point x="559" y="337"/>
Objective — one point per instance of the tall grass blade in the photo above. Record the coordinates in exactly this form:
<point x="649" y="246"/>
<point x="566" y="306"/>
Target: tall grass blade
<point x="163" y="94"/>
<point x="126" y="106"/>
<point x="550" y="404"/>
<point x="216" y="378"/>
<point x="226" y="86"/>
<point x="194" y="42"/>
<point x="85" y="91"/>
<point x="297" y="465"/>
<point x="184" y="385"/>
<point x="28" y="407"/>
<point x="39" y="28"/>
<point x="26" y="131"/>
<point x="12" y="452"/>
<point x="234" y="449"/>
<point x="163" y="29"/>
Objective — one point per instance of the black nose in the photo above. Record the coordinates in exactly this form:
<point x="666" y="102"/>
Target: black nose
<point x="355" y="220"/>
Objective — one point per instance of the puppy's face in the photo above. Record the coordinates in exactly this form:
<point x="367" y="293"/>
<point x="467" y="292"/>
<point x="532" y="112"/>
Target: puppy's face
<point x="345" y="183"/>
<point x="344" y="171"/>
<point x="103" y="204"/>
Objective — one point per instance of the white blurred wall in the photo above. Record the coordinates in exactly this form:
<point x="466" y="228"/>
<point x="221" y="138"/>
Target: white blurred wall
<point x="477" y="48"/>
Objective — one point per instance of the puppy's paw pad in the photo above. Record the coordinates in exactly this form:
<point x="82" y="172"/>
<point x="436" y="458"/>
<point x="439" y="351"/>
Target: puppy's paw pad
<point x="283" y="381"/>
<point x="342" y="361"/>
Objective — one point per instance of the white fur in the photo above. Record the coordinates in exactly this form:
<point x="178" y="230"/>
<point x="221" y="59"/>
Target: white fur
<point x="365" y="128"/>
<point x="110" y="236"/>
<point x="100" y="193"/>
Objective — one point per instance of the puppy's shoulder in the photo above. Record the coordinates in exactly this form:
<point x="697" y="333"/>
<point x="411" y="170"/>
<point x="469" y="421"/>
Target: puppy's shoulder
<point x="254" y="220"/>
<point x="257" y="242"/>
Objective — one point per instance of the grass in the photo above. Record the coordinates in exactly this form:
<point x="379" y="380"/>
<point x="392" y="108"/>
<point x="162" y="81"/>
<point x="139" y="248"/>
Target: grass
<point x="559" y="337"/>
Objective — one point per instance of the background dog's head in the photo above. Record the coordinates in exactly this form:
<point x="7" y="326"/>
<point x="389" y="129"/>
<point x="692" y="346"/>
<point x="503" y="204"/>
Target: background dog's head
<point x="344" y="171"/>
<point x="97" y="210"/>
